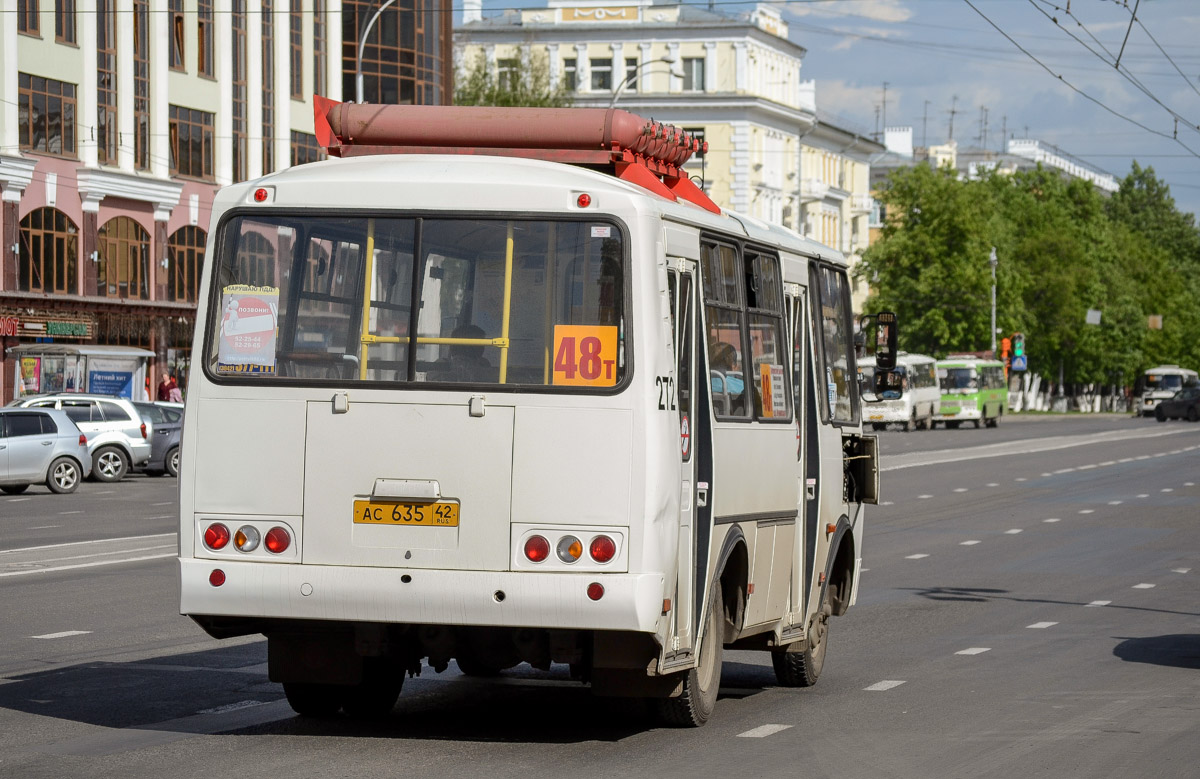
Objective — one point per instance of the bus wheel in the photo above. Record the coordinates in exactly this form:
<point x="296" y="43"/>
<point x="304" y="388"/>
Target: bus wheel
<point x="692" y="707"/>
<point x="801" y="668"/>
<point x="976" y="421"/>
<point x="313" y="700"/>
<point x="993" y="422"/>
<point x="375" y="696"/>
<point x="952" y="425"/>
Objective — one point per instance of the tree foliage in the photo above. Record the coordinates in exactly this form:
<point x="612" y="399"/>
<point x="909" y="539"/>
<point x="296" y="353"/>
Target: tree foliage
<point x="520" y="81"/>
<point x="1062" y="249"/>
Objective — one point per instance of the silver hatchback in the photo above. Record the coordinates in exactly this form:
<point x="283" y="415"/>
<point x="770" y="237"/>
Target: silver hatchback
<point x="117" y="435"/>
<point x="41" y="446"/>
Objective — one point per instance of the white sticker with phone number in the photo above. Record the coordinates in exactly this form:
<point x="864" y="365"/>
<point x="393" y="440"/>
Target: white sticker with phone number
<point x="602" y="231"/>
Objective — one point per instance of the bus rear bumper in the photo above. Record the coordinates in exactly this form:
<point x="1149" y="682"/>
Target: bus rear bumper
<point x="631" y="602"/>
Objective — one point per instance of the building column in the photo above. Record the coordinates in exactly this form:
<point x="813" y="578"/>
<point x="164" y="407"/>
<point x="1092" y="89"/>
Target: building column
<point x="126" y="127"/>
<point x="710" y="66"/>
<point x="554" y="64"/>
<point x="676" y="83"/>
<point x="158" y="290"/>
<point x="741" y="66"/>
<point x="160" y="111"/>
<point x="223" y="121"/>
<point x="89" y="265"/>
<point x="11" y="219"/>
<point x="254" y="92"/>
<point x="87" y="96"/>
<point x="583" y="69"/>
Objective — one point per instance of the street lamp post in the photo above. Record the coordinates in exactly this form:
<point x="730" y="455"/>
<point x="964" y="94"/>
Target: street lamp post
<point x="992" y="262"/>
<point x="362" y="41"/>
<point x="633" y="76"/>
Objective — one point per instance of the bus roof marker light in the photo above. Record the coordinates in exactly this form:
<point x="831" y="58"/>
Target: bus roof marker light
<point x="584" y="200"/>
<point x="262" y="195"/>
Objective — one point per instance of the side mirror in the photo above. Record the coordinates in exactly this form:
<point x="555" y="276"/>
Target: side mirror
<point x="887" y="335"/>
<point x="887" y="384"/>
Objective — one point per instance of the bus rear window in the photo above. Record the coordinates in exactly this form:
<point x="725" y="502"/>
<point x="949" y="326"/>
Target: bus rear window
<point x="442" y="301"/>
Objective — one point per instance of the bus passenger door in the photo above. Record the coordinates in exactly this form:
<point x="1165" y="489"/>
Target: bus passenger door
<point x="806" y="485"/>
<point x="681" y="282"/>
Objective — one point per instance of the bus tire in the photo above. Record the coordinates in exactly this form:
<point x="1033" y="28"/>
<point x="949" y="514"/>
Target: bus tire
<point x="375" y="696"/>
<point x="800" y="668"/>
<point x="952" y="424"/>
<point x="694" y="705"/>
<point x="313" y="700"/>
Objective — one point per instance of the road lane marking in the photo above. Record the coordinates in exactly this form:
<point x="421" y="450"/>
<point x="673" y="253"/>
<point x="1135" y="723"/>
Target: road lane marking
<point x="83" y="543"/>
<point x="1012" y="532"/>
<point x="1166" y="489"/>
<point x="17" y="500"/>
<point x="960" y="489"/>
<point x="1180" y="570"/>
<point x="915" y="556"/>
<point x="887" y="684"/>
<point x="242" y="705"/>
<point x="763" y="731"/>
<point x="1097" y="603"/>
<point x="1144" y="586"/>
<point x="924" y="497"/>
<point x="1021" y="478"/>
<point x="43" y="527"/>
<point x="1087" y="511"/>
<point x="968" y="543"/>
<point x="1143" y="495"/>
<point x="1115" y="502"/>
<point x="88" y="565"/>
<point x="1041" y="625"/>
<point x="168" y="503"/>
<point x="992" y="484"/>
<point x="64" y="634"/>
<point x="1052" y="519"/>
<point x="65" y="513"/>
<point x="975" y="650"/>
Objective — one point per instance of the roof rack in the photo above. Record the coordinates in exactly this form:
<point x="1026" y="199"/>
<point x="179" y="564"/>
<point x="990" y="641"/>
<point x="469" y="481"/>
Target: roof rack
<point x="640" y="151"/>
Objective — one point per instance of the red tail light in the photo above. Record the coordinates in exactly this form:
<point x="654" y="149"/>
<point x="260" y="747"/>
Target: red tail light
<point x="216" y="536"/>
<point x="143" y="430"/>
<point x="278" y="540"/>
<point x="602" y="549"/>
<point x="82" y="440"/>
<point x="537" y="549"/>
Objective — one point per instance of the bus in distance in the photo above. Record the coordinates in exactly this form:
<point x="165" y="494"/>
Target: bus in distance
<point x="457" y="405"/>
<point x="1161" y="383"/>
<point x="972" y="389"/>
<point x="919" y="398"/>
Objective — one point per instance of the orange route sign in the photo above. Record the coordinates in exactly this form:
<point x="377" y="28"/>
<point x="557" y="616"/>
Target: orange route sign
<point x="585" y="355"/>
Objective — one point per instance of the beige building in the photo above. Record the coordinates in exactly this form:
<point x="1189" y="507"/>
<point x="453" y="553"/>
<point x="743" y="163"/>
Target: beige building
<point x="733" y="79"/>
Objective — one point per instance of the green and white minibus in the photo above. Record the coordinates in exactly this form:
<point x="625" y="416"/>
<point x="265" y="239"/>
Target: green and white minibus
<point x="973" y="389"/>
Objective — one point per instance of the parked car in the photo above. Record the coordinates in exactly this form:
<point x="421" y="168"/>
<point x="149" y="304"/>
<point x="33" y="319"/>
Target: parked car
<point x="1185" y="404"/>
<point x="117" y="436"/>
<point x="167" y="419"/>
<point x="41" y="446"/>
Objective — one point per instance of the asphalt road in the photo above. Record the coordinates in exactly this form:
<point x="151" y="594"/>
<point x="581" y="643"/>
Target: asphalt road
<point x="1028" y="606"/>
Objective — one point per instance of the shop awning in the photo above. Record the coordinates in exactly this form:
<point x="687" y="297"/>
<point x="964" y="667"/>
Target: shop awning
<point x="93" y="350"/>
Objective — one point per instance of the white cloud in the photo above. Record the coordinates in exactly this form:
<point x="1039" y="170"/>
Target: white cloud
<point x="890" y="11"/>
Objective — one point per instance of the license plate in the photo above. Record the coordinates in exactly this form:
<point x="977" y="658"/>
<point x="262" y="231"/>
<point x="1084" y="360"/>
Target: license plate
<point x="876" y="416"/>
<point x="440" y="514"/>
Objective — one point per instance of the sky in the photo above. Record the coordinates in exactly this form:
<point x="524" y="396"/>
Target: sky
<point x="1092" y="77"/>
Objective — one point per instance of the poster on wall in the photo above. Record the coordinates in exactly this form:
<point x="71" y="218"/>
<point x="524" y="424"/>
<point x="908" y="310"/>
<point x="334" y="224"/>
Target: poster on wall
<point x="249" y="318"/>
<point x="112" y="376"/>
<point x="31" y="375"/>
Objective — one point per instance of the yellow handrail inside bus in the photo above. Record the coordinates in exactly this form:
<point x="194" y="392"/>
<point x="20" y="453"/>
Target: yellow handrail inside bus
<point x="508" y="271"/>
<point x="366" y="314"/>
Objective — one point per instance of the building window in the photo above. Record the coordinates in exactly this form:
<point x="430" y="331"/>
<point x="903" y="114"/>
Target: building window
<point x="570" y="74"/>
<point x="176" y="33"/>
<point x="191" y="143"/>
<point x="107" y="133"/>
<point x="238" y="72"/>
<point x="268" y="85"/>
<point x="507" y="73"/>
<point x="46" y="115"/>
<point x="297" y="33"/>
<point x="631" y="74"/>
<point x="49" y="258"/>
<point x="27" y="17"/>
<point x="64" y="21"/>
<point x="124" y="249"/>
<point x="204" y="37"/>
<point x="601" y="75"/>
<point x="319" y="53"/>
<point x="408" y="57"/>
<point x="305" y="148"/>
<point x="141" y="84"/>
<point x="185" y="259"/>
<point x="693" y="74"/>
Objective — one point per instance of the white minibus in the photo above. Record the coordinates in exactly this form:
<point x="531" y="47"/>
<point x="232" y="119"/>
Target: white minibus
<point x="453" y="400"/>
<point x="919" y="394"/>
<point x="1161" y="383"/>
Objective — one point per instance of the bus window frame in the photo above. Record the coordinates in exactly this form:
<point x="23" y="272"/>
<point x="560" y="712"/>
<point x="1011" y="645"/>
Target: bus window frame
<point x="224" y="243"/>
<point x="815" y="299"/>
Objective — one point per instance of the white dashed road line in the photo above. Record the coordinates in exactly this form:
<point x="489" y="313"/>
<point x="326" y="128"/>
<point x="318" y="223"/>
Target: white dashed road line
<point x="1143" y="586"/>
<point x="64" y="634"/>
<point x="1041" y="625"/>
<point x="1052" y="519"/>
<point x="1180" y="570"/>
<point x="242" y="705"/>
<point x="1097" y="603"/>
<point x="968" y="543"/>
<point x="915" y="556"/>
<point x="1087" y="511"/>
<point x="887" y="684"/>
<point x="1012" y="532"/>
<point x="762" y="731"/>
<point x="975" y="650"/>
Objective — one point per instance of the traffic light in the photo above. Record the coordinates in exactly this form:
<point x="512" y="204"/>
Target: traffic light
<point x="1018" y="344"/>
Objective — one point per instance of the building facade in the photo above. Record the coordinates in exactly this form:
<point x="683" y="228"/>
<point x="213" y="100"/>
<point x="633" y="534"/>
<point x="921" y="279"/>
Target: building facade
<point x="732" y="79"/>
<point x="119" y="121"/>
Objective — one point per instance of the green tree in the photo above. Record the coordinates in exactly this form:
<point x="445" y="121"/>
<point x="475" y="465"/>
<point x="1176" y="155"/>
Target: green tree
<point x="519" y="81"/>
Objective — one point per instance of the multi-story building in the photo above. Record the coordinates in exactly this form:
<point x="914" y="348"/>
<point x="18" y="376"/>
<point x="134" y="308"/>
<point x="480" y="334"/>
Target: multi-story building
<point x="119" y="120"/>
<point x="734" y="80"/>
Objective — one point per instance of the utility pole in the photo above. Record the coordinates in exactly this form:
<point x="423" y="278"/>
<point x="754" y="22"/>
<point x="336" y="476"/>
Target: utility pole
<point x="885" y="86"/>
<point x="952" y="112"/>
<point x="1004" y="134"/>
<point x="925" y="126"/>
<point x="992" y="262"/>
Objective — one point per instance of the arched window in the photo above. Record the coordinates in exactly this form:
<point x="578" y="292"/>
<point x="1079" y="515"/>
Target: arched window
<point x="185" y="258"/>
<point x="124" y="259"/>
<point x="49" y="259"/>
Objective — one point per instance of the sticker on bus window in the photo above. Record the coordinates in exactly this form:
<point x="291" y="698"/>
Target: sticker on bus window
<point x="249" y="320"/>
<point x="602" y="231"/>
<point x="774" y="398"/>
<point x="585" y="355"/>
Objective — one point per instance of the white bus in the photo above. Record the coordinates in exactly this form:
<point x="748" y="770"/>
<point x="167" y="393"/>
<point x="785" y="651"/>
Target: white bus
<point x="1161" y="383"/>
<point x="920" y="396"/>
<point x="449" y="408"/>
